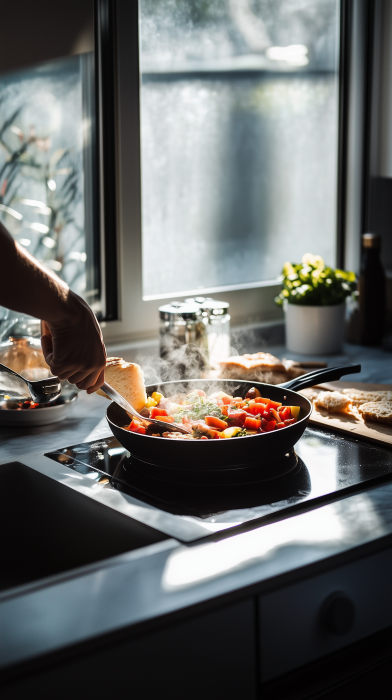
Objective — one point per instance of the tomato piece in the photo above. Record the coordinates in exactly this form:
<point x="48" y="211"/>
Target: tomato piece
<point x="224" y="410"/>
<point x="134" y="425"/>
<point x="157" y="412"/>
<point x="263" y="423"/>
<point x="274" y="404"/>
<point x="215" y="422"/>
<point x="236" y="419"/>
<point x="238" y="403"/>
<point x="166" y="419"/>
<point x="252" y="423"/>
<point x="280" y="425"/>
<point x="204" y="437"/>
<point x="270" y="426"/>
<point x="141" y="430"/>
<point x="255" y="409"/>
<point x="226" y="400"/>
<point x="285" y="413"/>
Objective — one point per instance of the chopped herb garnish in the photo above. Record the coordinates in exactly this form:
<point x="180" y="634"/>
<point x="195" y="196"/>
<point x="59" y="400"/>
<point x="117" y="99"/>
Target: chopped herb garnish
<point x="197" y="407"/>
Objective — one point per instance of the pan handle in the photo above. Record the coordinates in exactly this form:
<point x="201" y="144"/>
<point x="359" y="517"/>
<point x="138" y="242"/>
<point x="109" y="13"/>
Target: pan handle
<point x="329" y="374"/>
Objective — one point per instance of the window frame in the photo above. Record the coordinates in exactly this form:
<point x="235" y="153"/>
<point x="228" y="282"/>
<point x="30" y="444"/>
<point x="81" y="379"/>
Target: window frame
<point x="137" y="316"/>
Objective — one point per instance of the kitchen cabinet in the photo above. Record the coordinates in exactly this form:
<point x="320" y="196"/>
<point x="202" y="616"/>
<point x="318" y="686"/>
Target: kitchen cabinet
<point x="208" y="657"/>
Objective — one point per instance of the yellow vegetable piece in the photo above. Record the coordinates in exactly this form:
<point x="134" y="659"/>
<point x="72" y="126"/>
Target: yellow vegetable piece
<point x="229" y="432"/>
<point x="295" y="411"/>
<point x="151" y="402"/>
<point x="156" y="396"/>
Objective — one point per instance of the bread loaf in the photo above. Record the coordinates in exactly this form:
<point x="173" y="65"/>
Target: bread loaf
<point x="126" y="378"/>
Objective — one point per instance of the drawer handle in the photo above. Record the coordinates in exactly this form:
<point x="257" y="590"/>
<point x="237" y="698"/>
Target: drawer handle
<point x="338" y="613"/>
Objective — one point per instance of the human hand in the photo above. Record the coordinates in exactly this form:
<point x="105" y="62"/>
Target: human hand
<point x="73" y="346"/>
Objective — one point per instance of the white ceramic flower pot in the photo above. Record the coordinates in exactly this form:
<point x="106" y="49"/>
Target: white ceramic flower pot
<point x="314" y="330"/>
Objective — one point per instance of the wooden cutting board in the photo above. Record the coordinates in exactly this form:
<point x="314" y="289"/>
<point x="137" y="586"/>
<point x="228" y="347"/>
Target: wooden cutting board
<point x="373" y="431"/>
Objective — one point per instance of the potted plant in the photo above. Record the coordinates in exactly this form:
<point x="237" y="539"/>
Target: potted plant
<point x="313" y="298"/>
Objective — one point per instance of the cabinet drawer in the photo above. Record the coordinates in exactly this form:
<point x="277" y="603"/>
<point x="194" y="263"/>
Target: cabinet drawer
<point x="313" y="618"/>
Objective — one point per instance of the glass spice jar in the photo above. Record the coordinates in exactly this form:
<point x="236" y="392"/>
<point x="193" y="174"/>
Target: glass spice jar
<point x="216" y="319"/>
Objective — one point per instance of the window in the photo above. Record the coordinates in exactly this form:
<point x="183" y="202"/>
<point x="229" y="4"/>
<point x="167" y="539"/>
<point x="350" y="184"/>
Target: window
<point x="239" y="140"/>
<point x="46" y="168"/>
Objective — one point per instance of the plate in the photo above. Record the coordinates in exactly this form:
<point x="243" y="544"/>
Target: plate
<point x="37" y="416"/>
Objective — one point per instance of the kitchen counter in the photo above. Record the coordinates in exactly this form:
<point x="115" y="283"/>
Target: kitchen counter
<point x="87" y="421"/>
<point x="165" y="602"/>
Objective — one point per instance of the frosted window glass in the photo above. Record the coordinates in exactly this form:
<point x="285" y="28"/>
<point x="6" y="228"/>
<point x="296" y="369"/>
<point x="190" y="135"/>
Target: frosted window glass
<point x="239" y="104"/>
<point x="45" y="148"/>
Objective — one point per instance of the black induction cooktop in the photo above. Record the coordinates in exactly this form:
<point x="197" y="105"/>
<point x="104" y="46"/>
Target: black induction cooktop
<point x="323" y="467"/>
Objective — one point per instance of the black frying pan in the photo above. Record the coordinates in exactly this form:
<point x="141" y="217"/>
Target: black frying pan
<point x="221" y="455"/>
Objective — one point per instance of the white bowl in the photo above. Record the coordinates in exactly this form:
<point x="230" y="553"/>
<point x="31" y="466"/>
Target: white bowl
<point x="37" y="416"/>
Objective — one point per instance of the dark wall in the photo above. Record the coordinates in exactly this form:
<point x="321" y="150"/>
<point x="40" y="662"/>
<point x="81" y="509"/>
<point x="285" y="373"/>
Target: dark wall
<point x="381" y="215"/>
<point x="41" y="30"/>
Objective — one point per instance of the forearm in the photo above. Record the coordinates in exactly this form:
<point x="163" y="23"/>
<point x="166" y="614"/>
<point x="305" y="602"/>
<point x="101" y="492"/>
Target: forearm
<point x="27" y="286"/>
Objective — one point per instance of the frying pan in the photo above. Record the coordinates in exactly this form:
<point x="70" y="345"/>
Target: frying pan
<point x="221" y="455"/>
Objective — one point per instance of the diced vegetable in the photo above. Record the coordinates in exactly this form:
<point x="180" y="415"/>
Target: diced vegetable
<point x="136" y="427"/>
<point x="229" y="432"/>
<point x="219" y="415"/>
<point x="236" y="418"/>
<point x="155" y="412"/>
<point x="285" y="413"/>
<point x="252" y="393"/>
<point x="275" y="414"/>
<point x="274" y="404"/>
<point x="215" y="422"/>
<point x="252" y="423"/>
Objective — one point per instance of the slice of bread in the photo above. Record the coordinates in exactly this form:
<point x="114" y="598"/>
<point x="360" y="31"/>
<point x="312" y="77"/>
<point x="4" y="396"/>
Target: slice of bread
<point x="127" y="378"/>
<point x="332" y="401"/>
<point x="244" y="366"/>
<point x="380" y="411"/>
<point x="359" y="396"/>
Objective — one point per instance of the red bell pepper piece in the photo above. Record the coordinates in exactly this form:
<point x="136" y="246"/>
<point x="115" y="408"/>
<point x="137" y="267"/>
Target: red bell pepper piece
<point x="154" y="412"/>
<point x="270" y="426"/>
<point x="134" y="425"/>
<point x="215" y="422"/>
<point x="285" y="413"/>
<point x="252" y="423"/>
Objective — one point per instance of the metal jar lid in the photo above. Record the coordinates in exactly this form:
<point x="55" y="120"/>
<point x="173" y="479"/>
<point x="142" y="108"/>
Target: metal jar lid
<point x="213" y="307"/>
<point x="188" y="312"/>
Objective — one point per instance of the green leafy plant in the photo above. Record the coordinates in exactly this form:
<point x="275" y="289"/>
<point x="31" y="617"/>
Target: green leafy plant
<point x="312" y="283"/>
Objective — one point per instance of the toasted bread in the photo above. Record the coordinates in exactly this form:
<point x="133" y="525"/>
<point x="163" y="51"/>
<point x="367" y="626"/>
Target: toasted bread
<point x="332" y="401"/>
<point x="127" y="378"/>
<point x="380" y="411"/>
<point x="359" y="396"/>
<point x="250" y="366"/>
